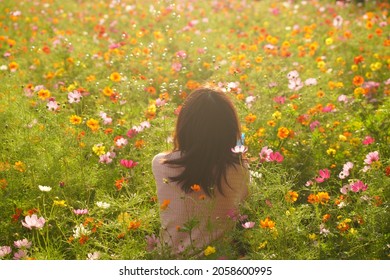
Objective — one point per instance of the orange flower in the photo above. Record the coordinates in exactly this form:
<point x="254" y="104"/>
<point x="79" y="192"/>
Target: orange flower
<point x="134" y="225"/>
<point x="83" y="239"/>
<point x="312" y="198"/>
<point x="20" y="166"/>
<point x="283" y="132"/>
<point x="358" y="80"/>
<point x="325" y="218"/>
<point x="93" y="124"/>
<point x="119" y="183"/>
<point x="44" y="94"/>
<point x="267" y="223"/>
<point x="139" y="144"/>
<point x="3" y="183"/>
<point x="323" y="197"/>
<point x="74" y="119"/>
<point x="151" y="90"/>
<point x="107" y="91"/>
<point x="195" y="188"/>
<point x="202" y="197"/>
<point x="13" y="66"/>
<point x="291" y="196"/>
<point x="250" y="118"/>
<point x="115" y="77"/>
<point x="165" y="204"/>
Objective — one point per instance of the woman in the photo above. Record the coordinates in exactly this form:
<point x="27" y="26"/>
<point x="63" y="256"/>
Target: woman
<point x="201" y="181"/>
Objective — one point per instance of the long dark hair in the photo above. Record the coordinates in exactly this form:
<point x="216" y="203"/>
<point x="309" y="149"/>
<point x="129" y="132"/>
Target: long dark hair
<point x="206" y="129"/>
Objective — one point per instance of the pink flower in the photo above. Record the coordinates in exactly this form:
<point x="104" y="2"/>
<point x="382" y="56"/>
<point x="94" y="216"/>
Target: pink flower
<point x="371" y="157"/>
<point x="52" y="105"/>
<point x="265" y="153"/>
<point x="176" y="66"/>
<point x="292" y="75"/>
<point x="368" y="140"/>
<point x="5" y="250"/>
<point x="74" y="97"/>
<point x="121" y="142"/>
<point x="345" y="172"/>
<point x="324" y="174"/>
<point x="248" y="225"/>
<point x="343" y="98"/>
<point x="131" y="133"/>
<point x="24" y="243"/>
<point x="128" y="163"/>
<point x="107" y="157"/>
<point x="314" y="124"/>
<point x="358" y="186"/>
<point x="80" y="211"/>
<point x="239" y="149"/>
<point x="33" y="222"/>
<point x="311" y="82"/>
<point x="295" y="84"/>
<point x="279" y="99"/>
<point x="19" y="255"/>
<point x="152" y="242"/>
<point x="345" y="189"/>
<point x="181" y="54"/>
<point x="276" y="156"/>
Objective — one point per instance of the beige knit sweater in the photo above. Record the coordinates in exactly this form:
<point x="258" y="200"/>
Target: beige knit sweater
<point x="194" y="219"/>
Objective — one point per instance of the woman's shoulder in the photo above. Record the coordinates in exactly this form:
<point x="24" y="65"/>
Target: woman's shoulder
<point x="161" y="157"/>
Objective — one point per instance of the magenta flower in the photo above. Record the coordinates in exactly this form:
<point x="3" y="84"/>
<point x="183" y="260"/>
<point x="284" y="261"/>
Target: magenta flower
<point x="358" y="186"/>
<point x="314" y="124"/>
<point x="80" y="211"/>
<point x="368" y="140"/>
<point x="128" y="163"/>
<point x="276" y="156"/>
<point x="131" y="133"/>
<point x="239" y="149"/>
<point x="324" y="174"/>
<point x="33" y="222"/>
<point x="279" y="99"/>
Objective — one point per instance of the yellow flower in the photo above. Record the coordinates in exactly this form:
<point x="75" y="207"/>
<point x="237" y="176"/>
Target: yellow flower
<point x="99" y="149"/>
<point x="209" y="250"/>
<point x="61" y="203"/>
<point x="329" y="41"/>
<point x="263" y="244"/>
<point x="277" y="115"/>
<point x="354" y="68"/>
<point x="312" y="236"/>
<point x="291" y="196"/>
<point x="331" y="151"/>
<point x="74" y="119"/>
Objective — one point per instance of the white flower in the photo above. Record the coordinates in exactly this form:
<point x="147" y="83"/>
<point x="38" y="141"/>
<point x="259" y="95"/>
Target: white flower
<point x="3" y="67"/>
<point x="102" y="204"/>
<point x="93" y="256"/>
<point x="255" y="174"/>
<point x="80" y="230"/>
<point x="239" y="149"/>
<point x="44" y="188"/>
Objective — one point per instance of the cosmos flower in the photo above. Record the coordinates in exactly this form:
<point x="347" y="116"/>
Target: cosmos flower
<point x="33" y="221"/>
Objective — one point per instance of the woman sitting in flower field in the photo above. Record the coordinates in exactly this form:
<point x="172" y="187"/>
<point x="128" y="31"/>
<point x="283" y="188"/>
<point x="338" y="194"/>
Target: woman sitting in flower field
<point x="202" y="181"/>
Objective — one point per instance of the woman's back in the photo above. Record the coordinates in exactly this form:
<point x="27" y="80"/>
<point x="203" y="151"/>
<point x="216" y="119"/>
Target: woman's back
<point x="195" y="219"/>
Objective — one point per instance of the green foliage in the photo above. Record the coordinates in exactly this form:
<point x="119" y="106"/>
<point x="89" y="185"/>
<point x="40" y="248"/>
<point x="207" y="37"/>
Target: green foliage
<point x="123" y="60"/>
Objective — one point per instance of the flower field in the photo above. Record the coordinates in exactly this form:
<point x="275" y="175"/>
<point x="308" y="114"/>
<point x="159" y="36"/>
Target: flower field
<point x="90" y="91"/>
